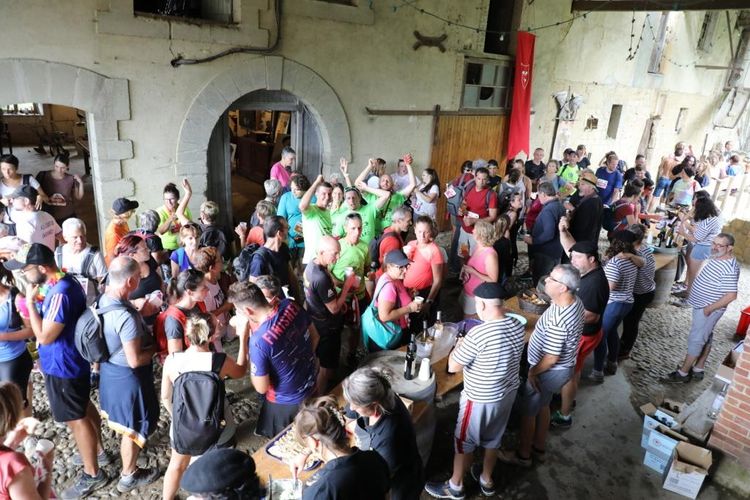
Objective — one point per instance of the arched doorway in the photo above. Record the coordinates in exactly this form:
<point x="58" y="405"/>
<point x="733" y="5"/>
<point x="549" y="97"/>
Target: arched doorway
<point x="283" y="79"/>
<point x="105" y="101"/>
<point x="240" y="156"/>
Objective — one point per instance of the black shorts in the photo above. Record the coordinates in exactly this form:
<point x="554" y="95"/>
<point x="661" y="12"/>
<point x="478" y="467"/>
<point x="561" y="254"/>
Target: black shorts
<point x="68" y="397"/>
<point x="329" y="345"/>
<point x="274" y="417"/>
<point x="18" y="371"/>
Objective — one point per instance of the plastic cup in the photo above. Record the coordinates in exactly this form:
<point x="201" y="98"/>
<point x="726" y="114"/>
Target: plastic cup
<point x="44" y="446"/>
<point x="349" y="271"/>
<point x="419" y="300"/>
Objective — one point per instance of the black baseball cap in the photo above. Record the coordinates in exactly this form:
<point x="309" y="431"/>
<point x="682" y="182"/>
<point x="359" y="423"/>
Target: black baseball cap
<point x="586" y="247"/>
<point x="491" y="291"/>
<point x="122" y="205"/>
<point x="218" y="470"/>
<point x="396" y="257"/>
<point x="35" y="253"/>
<point x="25" y="191"/>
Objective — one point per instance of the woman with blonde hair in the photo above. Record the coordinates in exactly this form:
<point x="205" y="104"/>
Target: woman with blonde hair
<point x="198" y="358"/>
<point x="182" y="258"/>
<point x="482" y="266"/>
<point x="348" y="472"/>
<point x="16" y="474"/>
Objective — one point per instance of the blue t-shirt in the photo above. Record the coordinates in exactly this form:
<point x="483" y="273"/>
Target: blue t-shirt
<point x="64" y="303"/>
<point x="607" y="182"/>
<point x="10" y="321"/>
<point x="282" y="349"/>
<point x="180" y="258"/>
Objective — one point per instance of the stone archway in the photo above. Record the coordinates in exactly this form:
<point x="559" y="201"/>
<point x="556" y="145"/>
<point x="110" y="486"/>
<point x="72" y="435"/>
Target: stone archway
<point x="262" y="73"/>
<point x="105" y="101"/>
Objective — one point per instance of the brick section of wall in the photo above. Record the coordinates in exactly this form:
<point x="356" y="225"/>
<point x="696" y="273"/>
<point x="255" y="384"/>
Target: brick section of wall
<point x="731" y="433"/>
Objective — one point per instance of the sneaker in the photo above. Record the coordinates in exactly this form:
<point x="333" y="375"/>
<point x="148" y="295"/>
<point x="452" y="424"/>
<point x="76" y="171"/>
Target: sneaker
<point x="610" y="368"/>
<point x="678" y="287"/>
<point x="697" y="375"/>
<point x="443" y="490"/>
<point x="140" y="477"/>
<point x="560" y="421"/>
<point x="676" y="378"/>
<point x="85" y="485"/>
<point x="623" y="355"/>
<point x="678" y="302"/>
<point x="512" y="457"/>
<point x="103" y="458"/>
<point x="681" y="294"/>
<point x="487" y="490"/>
<point x="595" y="376"/>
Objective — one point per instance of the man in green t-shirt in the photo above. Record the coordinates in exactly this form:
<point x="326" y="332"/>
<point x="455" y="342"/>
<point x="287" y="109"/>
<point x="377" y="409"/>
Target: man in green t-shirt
<point x="355" y="255"/>
<point x="395" y="198"/>
<point x="368" y="211"/>
<point x="316" y="219"/>
<point x="569" y="173"/>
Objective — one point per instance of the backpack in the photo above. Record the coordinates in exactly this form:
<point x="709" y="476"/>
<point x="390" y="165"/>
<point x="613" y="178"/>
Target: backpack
<point x="198" y="400"/>
<point x="609" y="220"/>
<point x="89" y="332"/>
<point x="241" y="263"/>
<point x="459" y="186"/>
<point x="85" y="265"/>
<point x="373" y="249"/>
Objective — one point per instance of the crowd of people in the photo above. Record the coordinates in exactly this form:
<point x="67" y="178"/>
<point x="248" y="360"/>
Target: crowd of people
<point x="323" y="272"/>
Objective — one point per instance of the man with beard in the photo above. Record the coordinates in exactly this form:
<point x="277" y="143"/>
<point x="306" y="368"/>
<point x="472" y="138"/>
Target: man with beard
<point x="66" y="373"/>
<point x="586" y="219"/>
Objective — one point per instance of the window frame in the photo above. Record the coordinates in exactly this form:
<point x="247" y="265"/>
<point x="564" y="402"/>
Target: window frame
<point x="38" y="109"/>
<point x="506" y="100"/>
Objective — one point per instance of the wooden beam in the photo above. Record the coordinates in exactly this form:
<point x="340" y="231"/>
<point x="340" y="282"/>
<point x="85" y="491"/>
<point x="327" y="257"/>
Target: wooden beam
<point x="431" y="112"/>
<point x="657" y="5"/>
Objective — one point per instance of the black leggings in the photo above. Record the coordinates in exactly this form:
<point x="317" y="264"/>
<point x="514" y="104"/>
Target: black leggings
<point x="632" y="319"/>
<point x="18" y="371"/>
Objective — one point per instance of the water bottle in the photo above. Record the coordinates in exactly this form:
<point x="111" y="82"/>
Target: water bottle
<point x="713" y="413"/>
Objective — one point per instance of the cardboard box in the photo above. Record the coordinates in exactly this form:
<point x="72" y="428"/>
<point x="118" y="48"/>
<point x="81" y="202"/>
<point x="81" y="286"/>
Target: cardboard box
<point x="660" y="448"/>
<point x="725" y="372"/>
<point x="653" y="417"/>
<point x="688" y="469"/>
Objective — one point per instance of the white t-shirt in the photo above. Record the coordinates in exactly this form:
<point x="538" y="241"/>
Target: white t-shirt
<point x="6" y="191"/>
<point x="36" y="227"/>
<point x="73" y="263"/>
<point x="400" y="181"/>
<point x="422" y="207"/>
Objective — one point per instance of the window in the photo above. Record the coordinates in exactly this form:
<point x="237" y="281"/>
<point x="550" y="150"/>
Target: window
<point x="486" y="84"/>
<point x="681" y="117"/>
<point x="208" y="10"/>
<point x="706" y="38"/>
<point x="614" y="121"/>
<point x="658" y="52"/>
<point x="22" y="109"/>
<point x="499" y="19"/>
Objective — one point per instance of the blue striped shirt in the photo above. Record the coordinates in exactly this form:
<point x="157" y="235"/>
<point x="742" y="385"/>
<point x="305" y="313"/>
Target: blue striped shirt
<point x="716" y="278"/>
<point x="491" y="356"/>
<point x="623" y="273"/>
<point x="644" y="280"/>
<point x="558" y="332"/>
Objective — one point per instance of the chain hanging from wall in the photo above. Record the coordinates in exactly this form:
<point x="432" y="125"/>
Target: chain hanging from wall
<point x="632" y="53"/>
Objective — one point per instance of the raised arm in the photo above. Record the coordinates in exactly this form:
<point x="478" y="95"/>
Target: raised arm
<point x="180" y="212"/>
<point x="361" y="177"/>
<point x="304" y="202"/>
<point x="344" y="167"/>
<point x="412" y="180"/>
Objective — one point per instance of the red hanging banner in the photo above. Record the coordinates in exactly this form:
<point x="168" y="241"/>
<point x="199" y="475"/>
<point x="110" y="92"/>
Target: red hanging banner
<point x="520" y="114"/>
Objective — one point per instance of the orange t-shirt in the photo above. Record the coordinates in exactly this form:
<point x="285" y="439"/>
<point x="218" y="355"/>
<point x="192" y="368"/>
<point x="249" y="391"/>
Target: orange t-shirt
<point x="112" y="235"/>
<point x="255" y="235"/>
<point x="419" y="275"/>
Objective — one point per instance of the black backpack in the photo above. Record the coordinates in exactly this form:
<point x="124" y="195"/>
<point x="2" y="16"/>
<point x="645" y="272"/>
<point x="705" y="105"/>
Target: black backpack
<point x="374" y="247"/>
<point x="198" y="409"/>
<point x="241" y="263"/>
<point x="89" y="333"/>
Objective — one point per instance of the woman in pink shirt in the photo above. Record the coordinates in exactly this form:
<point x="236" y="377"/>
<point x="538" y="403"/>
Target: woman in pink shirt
<point x="425" y="274"/>
<point x="482" y="266"/>
<point x="282" y="170"/>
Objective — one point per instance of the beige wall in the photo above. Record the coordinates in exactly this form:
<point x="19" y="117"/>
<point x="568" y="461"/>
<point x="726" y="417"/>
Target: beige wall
<point x="367" y="62"/>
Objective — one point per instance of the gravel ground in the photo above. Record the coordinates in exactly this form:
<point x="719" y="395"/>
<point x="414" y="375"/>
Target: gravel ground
<point x="660" y="347"/>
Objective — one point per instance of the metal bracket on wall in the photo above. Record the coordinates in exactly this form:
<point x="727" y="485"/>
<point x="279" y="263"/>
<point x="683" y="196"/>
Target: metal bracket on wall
<point x="429" y="41"/>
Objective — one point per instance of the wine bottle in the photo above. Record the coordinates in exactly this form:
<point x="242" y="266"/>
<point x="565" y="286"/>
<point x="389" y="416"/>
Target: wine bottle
<point x="437" y="328"/>
<point x="411" y="357"/>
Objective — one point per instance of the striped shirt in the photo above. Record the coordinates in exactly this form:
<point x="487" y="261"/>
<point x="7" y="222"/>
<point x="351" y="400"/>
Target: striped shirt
<point x="706" y="229"/>
<point x="644" y="280"/>
<point x="491" y="356"/>
<point x="558" y="333"/>
<point x="716" y="278"/>
<point x="622" y="273"/>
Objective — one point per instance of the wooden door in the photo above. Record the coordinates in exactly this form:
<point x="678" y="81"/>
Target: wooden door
<point x="458" y="138"/>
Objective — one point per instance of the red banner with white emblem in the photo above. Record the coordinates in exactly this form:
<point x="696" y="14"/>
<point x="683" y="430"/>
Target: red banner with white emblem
<point x="520" y="114"/>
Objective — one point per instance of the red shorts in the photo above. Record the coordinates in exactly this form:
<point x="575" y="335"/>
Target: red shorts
<point x="586" y="346"/>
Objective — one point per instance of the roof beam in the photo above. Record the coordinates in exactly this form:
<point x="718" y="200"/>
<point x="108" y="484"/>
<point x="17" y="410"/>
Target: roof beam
<point x="657" y="5"/>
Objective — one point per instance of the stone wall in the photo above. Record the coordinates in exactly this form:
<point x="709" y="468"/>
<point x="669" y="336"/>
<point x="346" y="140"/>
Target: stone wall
<point x="741" y="231"/>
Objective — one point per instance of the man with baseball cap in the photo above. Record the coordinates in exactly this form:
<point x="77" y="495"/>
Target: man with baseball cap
<point x="593" y="291"/>
<point x="32" y="225"/>
<point x="66" y="373"/>
<point x="585" y="222"/>
<point x="490" y="357"/>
